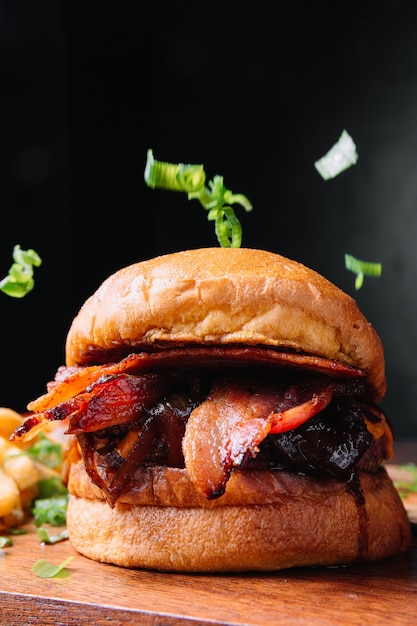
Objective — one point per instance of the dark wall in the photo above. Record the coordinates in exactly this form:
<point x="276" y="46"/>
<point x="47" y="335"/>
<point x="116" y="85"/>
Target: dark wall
<point x="256" y="94"/>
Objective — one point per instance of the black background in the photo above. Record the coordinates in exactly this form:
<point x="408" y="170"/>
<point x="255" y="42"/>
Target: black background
<point x="255" y="93"/>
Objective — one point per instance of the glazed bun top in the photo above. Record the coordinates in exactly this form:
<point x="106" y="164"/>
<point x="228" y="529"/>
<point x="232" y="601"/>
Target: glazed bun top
<point x="217" y="296"/>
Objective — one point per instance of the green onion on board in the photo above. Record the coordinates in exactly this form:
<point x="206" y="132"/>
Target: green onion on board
<point x="51" y="510"/>
<point x="5" y="542"/>
<point x="45" y="451"/>
<point x="47" y="538"/>
<point x="45" y="569"/>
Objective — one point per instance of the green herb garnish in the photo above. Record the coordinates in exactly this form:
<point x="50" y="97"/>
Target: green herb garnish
<point x="51" y="488"/>
<point x="45" y="451"/>
<point x="19" y="280"/>
<point x="405" y="487"/>
<point x="339" y="158"/>
<point x="362" y="269"/>
<point x="45" y="537"/>
<point x="45" y="569"/>
<point x="215" y="198"/>
<point x="5" y="542"/>
<point x="51" y="511"/>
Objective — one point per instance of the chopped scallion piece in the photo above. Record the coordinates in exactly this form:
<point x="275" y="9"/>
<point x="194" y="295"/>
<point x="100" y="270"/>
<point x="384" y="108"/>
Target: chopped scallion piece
<point x="5" y="542"/>
<point x="362" y="269"/>
<point x="174" y="177"/>
<point x="45" y="569"/>
<point x="50" y="511"/>
<point x="47" y="452"/>
<point x="51" y="487"/>
<point x="215" y="198"/>
<point x="19" y="280"/>
<point x="45" y="537"/>
<point x="339" y="158"/>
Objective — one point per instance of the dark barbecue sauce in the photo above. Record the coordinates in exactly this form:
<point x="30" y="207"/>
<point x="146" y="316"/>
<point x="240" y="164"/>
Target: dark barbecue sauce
<point x="353" y="486"/>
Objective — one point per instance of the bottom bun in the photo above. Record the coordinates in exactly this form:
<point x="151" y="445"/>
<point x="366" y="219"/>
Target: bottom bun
<point x="305" y="522"/>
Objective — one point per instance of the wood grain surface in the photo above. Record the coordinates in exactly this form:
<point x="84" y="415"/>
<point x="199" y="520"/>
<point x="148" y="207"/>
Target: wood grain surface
<point x="383" y="593"/>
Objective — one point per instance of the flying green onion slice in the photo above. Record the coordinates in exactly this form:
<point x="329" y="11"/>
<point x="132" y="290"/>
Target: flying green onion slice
<point x="215" y="197"/>
<point x="339" y="158"/>
<point x="361" y="269"/>
<point x="19" y="280"/>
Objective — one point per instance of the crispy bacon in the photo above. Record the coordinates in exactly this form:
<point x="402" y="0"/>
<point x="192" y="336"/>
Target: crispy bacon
<point x="111" y="457"/>
<point x="72" y="380"/>
<point x="115" y="400"/>
<point x="183" y="406"/>
<point x="109" y="401"/>
<point x="226" y="429"/>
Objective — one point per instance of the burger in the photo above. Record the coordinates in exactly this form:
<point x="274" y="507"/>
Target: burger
<point x="222" y="413"/>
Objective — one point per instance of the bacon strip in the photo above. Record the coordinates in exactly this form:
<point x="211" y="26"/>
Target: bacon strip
<point x="72" y="380"/>
<point x="227" y="428"/>
<point x="78" y="379"/>
<point x="315" y="400"/>
<point x="109" y="401"/>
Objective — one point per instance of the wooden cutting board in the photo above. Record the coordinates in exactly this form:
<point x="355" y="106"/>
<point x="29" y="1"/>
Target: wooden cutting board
<point x="382" y="593"/>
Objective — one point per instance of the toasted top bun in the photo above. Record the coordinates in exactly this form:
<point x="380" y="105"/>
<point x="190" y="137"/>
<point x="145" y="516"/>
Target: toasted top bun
<point x="217" y="296"/>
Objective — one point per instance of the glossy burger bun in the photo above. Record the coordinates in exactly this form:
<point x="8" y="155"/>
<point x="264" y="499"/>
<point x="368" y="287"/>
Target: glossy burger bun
<point x="265" y="521"/>
<point x="218" y="296"/>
